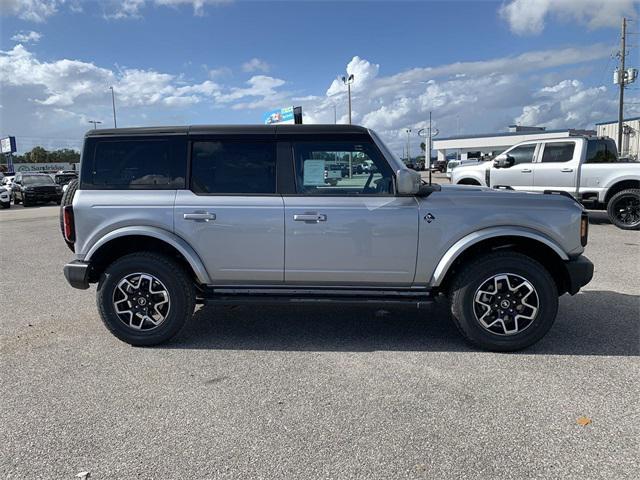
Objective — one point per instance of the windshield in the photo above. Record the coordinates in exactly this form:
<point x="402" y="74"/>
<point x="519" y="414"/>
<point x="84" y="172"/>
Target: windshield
<point x="37" y="180"/>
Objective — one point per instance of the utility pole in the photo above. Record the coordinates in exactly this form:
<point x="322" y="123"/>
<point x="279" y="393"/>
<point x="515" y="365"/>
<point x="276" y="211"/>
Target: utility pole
<point x="113" y="102"/>
<point x="428" y="152"/>
<point x="621" y="80"/>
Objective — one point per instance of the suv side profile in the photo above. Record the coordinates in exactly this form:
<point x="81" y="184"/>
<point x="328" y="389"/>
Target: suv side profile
<point x="165" y="218"/>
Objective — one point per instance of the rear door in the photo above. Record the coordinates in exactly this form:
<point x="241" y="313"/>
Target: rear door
<point x="231" y="214"/>
<point x="557" y="168"/>
<point x="356" y="232"/>
<point x="520" y="174"/>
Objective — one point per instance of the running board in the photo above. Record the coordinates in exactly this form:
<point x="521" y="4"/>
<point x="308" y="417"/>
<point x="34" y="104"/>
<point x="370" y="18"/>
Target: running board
<point x="312" y="296"/>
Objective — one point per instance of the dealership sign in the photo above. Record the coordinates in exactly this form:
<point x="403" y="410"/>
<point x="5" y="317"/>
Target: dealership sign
<point x="8" y="145"/>
<point x="44" y="167"/>
<point x="282" y="115"/>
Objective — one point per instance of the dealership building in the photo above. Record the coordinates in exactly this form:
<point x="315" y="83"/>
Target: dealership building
<point x="630" y="135"/>
<point x="476" y="146"/>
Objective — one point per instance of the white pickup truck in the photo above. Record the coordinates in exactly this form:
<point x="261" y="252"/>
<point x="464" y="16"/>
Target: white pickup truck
<point x="586" y="167"/>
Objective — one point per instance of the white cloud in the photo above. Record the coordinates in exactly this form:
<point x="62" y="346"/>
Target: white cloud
<point x="121" y="9"/>
<point x="256" y="65"/>
<point x="529" y="16"/>
<point x="31" y="10"/>
<point x="27" y="37"/>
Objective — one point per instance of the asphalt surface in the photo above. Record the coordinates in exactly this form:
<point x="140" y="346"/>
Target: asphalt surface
<point x="311" y="392"/>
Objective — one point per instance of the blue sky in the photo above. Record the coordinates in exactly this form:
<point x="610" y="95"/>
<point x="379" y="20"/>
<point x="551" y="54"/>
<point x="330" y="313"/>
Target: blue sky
<point x="479" y="64"/>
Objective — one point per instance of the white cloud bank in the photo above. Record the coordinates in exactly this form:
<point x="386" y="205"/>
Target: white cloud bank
<point x="528" y="17"/>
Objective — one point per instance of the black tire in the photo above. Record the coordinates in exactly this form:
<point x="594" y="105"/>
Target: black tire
<point x="25" y="201"/>
<point x="15" y="200"/>
<point x="474" y="275"/>
<point x="6" y="205"/>
<point x="67" y="199"/>
<point x="624" y="209"/>
<point x="174" y="278"/>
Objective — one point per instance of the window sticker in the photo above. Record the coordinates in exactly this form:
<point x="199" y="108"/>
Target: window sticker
<point x="313" y="173"/>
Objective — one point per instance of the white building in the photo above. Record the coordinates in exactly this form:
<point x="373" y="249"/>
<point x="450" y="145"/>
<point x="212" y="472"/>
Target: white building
<point x="493" y="143"/>
<point x="630" y="135"/>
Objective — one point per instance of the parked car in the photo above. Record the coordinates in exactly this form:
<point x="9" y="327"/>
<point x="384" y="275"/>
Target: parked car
<point x="247" y="218"/>
<point x="586" y="167"/>
<point x="30" y="188"/>
<point x="5" y="197"/>
<point x="451" y="164"/>
<point x="7" y="183"/>
<point x="63" y="178"/>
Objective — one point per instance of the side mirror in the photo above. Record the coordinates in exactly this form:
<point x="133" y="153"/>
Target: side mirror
<point x="504" y="161"/>
<point x="407" y="182"/>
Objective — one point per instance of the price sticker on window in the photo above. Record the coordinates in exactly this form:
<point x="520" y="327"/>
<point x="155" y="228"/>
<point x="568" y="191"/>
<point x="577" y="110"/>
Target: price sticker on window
<point x="313" y="173"/>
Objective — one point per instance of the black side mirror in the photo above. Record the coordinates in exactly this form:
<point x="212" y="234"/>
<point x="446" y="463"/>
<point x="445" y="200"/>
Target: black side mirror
<point x="504" y="161"/>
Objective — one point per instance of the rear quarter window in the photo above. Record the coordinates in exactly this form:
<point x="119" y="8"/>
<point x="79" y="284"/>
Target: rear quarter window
<point x="135" y="164"/>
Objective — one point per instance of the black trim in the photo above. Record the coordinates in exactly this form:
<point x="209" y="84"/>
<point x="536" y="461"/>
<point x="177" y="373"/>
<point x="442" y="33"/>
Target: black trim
<point x="285" y="169"/>
<point x="579" y="273"/>
<point x="77" y="274"/>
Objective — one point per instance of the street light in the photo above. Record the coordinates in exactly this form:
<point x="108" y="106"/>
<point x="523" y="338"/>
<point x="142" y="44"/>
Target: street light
<point x="348" y="81"/>
<point x="430" y="132"/>
<point x="113" y="102"/>
<point x="95" y="123"/>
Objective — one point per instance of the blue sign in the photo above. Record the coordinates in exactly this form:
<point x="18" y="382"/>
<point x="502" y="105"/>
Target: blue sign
<point x="282" y="115"/>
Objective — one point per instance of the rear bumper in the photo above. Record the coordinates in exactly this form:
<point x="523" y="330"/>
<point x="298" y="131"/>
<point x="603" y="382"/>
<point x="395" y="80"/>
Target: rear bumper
<point x="77" y="274"/>
<point x="580" y="272"/>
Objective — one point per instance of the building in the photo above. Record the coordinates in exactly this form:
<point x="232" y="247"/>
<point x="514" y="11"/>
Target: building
<point x="630" y="135"/>
<point x="490" y="144"/>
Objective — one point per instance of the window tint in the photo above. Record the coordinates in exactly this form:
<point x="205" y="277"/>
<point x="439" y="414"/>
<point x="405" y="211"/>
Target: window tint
<point x="138" y="164"/>
<point x="523" y="154"/>
<point x="226" y="167"/>
<point x="323" y="168"/>
<point x="558" y="152"/>
<point x="601" y="151"/>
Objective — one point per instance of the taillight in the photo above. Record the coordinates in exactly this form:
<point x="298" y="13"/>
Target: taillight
<point x="69" y="227"/>
<point x="584" y="228"/>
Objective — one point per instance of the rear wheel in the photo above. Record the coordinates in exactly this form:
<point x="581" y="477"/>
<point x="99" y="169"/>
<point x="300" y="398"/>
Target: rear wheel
<point x="624" y="209"/>
<point x="504" y="301"/>
<point x="145" y="298"/>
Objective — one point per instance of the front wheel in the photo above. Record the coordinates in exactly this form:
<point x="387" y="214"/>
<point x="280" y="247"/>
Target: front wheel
<point x="504" y="301"/>
<point x="624" y="209"/>
<point x="145" y="298"/>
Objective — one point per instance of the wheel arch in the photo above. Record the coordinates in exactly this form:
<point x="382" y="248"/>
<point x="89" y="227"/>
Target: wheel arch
<point x="132" y="239"/>
<point x="468" y="181"/>
<point x="528" y="242"/>
<point x="620" y="185"/>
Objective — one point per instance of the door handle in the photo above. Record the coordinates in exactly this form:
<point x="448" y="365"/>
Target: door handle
<point x="526" y="170"/>
<point x="310" y="217"/>
<point x="567" y="170"/>
<point x="204" y="216"/>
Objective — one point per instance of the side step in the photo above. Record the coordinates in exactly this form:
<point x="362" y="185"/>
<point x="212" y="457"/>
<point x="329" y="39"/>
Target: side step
<point x="310" y="296"/>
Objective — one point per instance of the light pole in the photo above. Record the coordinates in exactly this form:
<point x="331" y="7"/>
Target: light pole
<point x="95" y="123"/>
<point x="348" y="81"/>
<point x="408" y="130"/>
<point x="113" y="102"/>
<point x="429" y="134"/>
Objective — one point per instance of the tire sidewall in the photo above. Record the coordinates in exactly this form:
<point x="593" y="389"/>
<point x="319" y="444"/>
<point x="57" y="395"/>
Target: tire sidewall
<point x="547" y="296"/>
<point x="611" y="207"/>
<point x="178" y="311"/>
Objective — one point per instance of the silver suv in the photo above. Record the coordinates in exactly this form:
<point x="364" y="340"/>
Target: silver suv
<point x="163" y="219"/>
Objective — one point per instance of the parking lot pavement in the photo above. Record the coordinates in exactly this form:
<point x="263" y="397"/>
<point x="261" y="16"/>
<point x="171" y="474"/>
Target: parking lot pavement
<point x="311" y="392"/>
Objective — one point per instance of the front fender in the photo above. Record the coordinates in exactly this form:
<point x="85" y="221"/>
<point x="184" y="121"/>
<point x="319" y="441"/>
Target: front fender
<point x="172" y="239"/>
<point x="473" y="238"/>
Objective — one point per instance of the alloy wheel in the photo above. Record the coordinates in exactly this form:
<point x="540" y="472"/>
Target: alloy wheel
<point x="627" y="209"/>
<point x="141" y="301"/>
<point x="506" y="304"/>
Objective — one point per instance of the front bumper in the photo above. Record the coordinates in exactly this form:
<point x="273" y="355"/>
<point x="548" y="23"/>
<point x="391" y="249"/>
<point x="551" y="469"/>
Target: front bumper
<point x="77" y="274"/>
<point x="579" y="273"/>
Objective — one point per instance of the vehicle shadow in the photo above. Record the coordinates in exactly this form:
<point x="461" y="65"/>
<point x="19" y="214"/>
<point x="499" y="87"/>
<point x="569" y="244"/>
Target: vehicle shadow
<point x="591" y="323"/>
<point x="599" y="217"/>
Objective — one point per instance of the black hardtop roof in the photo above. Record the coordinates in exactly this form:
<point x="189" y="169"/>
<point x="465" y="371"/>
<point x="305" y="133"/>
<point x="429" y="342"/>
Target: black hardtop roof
<point x="229" y="130"/>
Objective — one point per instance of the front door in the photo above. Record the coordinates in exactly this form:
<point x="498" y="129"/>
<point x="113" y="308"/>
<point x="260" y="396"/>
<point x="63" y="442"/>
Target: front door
<point x="353" y="231"/>
<point x="558" y="167"/>
<point x="520" y="174"/>
<point x="231" y="215"/>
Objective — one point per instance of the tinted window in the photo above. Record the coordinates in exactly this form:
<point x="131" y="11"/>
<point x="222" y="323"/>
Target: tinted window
<point x="137" y="164"/>
<point x="323" y="168"/>
<point x="37" y="180"/>
<point x="225" y="167"/>
<point x="601" y="151"/>
<point x="558" y="152"/>
<point x="523" y="154"/>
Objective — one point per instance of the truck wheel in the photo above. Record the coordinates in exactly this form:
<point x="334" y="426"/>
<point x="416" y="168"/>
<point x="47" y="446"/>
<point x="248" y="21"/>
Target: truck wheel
<point x="67" y="199"/>
<point x="624" y="209"/>
<point x="503" y="301"/>
<point x="145" y="298"/>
